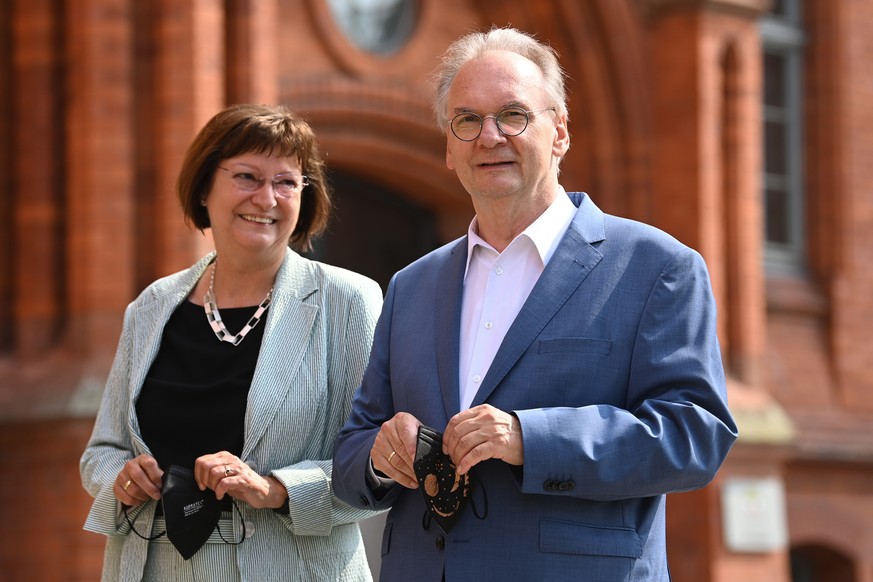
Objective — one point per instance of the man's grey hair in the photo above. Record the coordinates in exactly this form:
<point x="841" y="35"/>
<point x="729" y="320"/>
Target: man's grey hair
<point x="476" y="44"/>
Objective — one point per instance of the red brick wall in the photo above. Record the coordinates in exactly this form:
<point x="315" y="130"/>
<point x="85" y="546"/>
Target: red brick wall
<point x="99" y="99"/>
<point x="44" y="504"/>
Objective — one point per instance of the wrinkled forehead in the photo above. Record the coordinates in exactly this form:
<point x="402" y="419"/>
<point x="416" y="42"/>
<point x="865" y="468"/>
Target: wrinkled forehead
<point x="497" y="78"/>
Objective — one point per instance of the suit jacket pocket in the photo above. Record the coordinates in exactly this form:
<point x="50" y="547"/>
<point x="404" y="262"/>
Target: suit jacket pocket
<point x="566" y="537"/>
<point x="583" y="345"/>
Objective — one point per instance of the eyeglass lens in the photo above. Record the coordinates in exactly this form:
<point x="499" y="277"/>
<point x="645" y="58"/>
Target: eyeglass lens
<point x="510" y="122"/>
<point x="283" y="184"/>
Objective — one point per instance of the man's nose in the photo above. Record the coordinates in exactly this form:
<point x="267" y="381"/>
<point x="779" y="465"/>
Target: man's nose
<point x="491" y="134"/>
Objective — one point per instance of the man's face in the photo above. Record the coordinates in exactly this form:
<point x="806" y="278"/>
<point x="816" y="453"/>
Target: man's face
<point x="493" y="165"/>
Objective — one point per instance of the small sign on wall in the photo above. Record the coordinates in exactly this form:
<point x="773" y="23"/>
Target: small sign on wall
<point x="754" y="516"/>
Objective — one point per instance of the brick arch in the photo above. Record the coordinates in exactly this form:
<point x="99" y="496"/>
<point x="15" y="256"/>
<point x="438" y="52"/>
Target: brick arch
<point x="420" y="173"/>
<point x="384" y="133"/>
<point x="387" y="133"/>
<point x="808" y="515"/>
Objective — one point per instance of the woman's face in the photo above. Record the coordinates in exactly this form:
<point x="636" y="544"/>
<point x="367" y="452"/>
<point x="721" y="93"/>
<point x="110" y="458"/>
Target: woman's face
<point x="254" y="204"/>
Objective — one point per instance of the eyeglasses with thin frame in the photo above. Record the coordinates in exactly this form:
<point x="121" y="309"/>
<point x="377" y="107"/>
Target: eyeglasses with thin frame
<point x="511" y="121"/>
<point x="284" y="185"/>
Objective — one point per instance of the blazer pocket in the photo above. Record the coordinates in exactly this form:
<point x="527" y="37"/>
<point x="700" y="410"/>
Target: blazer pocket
<point x="582" y="345"/>
<point x="566" y="537"/>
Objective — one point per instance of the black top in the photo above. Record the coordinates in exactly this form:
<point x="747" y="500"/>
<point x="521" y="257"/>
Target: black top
<point x="193" y="400"/>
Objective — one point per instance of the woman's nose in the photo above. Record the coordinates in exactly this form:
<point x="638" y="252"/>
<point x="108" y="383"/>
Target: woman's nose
<point x="265" y="196"/>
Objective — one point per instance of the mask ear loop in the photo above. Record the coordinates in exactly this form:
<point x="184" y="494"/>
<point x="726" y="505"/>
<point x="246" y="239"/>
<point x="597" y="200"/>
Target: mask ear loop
<point x="133" y="529"/>
<point x="242" y="536"/>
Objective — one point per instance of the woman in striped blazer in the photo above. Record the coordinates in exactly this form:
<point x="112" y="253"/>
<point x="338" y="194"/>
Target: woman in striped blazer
<point x="240" y="368"/>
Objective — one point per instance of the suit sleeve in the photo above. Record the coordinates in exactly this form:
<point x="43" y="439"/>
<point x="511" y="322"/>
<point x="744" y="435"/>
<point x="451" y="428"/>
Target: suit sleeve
<point x="676" y="429"/>
<point x="373" y="404"/>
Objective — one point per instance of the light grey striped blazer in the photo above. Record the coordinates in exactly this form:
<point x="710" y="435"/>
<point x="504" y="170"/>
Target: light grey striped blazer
<point x="316" y="343"/>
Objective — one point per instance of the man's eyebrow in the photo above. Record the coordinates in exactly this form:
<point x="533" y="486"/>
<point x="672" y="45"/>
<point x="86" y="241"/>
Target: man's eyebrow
<point x="507" y="105"/>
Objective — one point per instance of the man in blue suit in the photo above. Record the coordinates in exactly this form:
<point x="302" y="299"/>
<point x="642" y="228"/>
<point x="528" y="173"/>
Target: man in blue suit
<point x="569" y="357"/>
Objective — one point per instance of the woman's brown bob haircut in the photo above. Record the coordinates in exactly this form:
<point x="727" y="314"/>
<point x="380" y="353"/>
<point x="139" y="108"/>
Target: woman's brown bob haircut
<point x="242" y="129"/>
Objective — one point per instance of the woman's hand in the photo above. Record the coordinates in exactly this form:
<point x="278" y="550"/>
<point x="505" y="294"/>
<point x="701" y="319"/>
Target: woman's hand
<point x="225" y="473"/>
<point x="139" y="480"/>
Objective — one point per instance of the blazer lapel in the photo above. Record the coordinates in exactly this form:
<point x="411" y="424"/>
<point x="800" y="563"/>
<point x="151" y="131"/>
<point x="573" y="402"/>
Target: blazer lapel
<point x="574" y="259"/>
<point x="286" y="339"/>
<point x="148" y="328"/>
<point x="447" y="311"/>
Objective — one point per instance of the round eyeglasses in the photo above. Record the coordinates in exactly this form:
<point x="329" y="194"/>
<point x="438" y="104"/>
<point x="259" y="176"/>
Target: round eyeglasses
<point x="284" y="185"/>
<point x="510" y="122"/>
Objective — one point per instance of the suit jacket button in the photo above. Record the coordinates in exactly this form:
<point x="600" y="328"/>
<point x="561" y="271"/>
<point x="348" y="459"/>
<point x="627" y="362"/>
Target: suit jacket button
<point x="548" y="485"/>
<point x="440" y="542"/>
<point x="364" y="501"/>
<point x="566" y="485"/>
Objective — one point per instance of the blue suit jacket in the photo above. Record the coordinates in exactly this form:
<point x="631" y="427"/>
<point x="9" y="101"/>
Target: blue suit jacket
<point x="614" y="371"/>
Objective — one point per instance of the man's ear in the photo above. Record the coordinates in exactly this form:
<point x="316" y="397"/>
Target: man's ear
<point x="562" y="137"/>
<point x="450" y="163"/>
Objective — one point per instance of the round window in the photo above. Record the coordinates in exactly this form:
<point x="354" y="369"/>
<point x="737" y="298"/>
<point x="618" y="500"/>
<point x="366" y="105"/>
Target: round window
<point x="376" y="26"/>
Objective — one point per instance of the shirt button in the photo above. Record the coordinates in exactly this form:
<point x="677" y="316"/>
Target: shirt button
<point x="499" y="270"/>
<point x="477" y="378"/>
<point x="489" y="325"/>
<point x="250" y="529"/>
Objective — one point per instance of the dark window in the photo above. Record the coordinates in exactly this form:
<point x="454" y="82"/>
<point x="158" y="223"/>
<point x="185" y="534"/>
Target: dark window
<point x="376" y="26"/>
<point x="783" y="194"/>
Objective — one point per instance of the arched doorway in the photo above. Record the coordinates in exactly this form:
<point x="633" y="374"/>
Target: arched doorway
<point x="374" y="230"/>
<point x="814" y="563"/>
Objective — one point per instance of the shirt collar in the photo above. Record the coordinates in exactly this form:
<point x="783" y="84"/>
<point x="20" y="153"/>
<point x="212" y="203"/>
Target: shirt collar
<point x="545" y="232"/>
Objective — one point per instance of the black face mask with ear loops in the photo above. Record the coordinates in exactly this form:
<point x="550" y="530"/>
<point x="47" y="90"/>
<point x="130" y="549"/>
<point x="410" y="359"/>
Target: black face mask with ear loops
<point x="445" y="492"/>
<point x="191" y="514"/>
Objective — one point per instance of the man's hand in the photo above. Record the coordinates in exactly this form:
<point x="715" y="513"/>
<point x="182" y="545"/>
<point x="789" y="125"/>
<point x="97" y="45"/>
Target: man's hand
<point x="481" y="433"/>
<point x="393" y="451"/>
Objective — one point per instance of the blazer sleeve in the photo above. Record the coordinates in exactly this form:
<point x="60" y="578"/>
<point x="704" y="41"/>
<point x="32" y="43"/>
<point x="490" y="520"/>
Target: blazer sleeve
<point x="110" y="445"/>
<point x="676" y="428"/>
<point x="373" y="403"/>
<point x="313" y="509"/>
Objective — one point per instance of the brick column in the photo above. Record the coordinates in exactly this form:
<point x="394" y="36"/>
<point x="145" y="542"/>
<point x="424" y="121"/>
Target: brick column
<point x="852" y="119"/>
<point x="707" y="157"/>
<point x="189" y="88"/>
<point x="36" y="190"/>
<point x="6" y="182"/>
<point x="706" y="164"/>
<point x="99" y="171"/>
<point x="253" y="73"/>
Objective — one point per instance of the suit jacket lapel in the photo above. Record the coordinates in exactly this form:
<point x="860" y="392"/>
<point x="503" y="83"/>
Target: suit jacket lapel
<point x="447" y="311"/>
<point x="573" y="260"/>
<point x="291" y="320"/>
